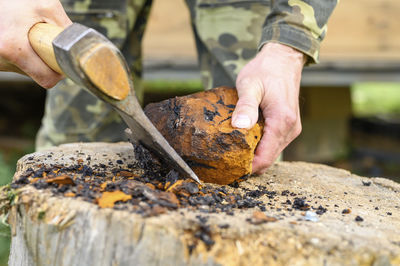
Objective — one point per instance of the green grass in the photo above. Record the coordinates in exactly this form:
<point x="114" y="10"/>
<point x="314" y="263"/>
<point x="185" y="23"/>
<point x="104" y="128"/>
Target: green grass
<point x="376" y="98"/>
<point x="6" y="170"/>
<point x="6" y="173"/>
<point x="167" y="86"/>
<point x="8" y="161"/>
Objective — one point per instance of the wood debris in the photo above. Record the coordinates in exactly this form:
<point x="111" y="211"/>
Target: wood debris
<point x="61" y="180"/>
<point x="108" y="199"/>
<point x="260" y="218"/>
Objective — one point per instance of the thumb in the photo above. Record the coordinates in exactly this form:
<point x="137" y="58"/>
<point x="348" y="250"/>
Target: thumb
<point x="246" y="111"/>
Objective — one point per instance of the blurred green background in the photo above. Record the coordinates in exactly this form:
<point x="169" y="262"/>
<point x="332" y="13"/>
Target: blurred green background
<point x="376" y="99"/>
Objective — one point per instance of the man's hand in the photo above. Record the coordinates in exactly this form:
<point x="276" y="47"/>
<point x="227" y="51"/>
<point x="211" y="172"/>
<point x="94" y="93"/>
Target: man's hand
<point x="16" y="54"/>
<point x="271" y="82"/>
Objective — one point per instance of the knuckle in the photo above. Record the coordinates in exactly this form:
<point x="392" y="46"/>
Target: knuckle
<point x="291" y="119"/>
<point x="48" y="83"/>
<point x="286" y="123"/>
<point x="46" y="7"/>
<point x="297" y="130"/>
<point x="247" y="104"/>
<point x="51" y="84"/>
<point x="46" y="4"/>
<point x="243" y="82"/>
<point x="50" y="9"/>
<point x="263" y="168"/>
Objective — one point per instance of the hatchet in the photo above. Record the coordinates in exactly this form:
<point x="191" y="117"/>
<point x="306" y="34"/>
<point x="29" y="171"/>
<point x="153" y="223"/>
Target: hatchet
<point x="91" y="60"/>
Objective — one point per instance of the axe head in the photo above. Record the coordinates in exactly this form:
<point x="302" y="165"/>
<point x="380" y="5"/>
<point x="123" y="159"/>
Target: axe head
<point x="91" y="60"/>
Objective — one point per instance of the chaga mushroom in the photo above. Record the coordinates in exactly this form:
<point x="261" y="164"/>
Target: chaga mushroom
<point x="198" y="127"/>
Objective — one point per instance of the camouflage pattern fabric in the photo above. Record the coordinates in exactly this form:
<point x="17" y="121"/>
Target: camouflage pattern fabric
<point x="71" y="113"/>
<point x="301" y="24"/>
<point x="228" y="34"/>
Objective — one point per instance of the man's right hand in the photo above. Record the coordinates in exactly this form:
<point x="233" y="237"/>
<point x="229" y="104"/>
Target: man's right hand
<point x="270" y="82"/>
<point x="16" y="53"/>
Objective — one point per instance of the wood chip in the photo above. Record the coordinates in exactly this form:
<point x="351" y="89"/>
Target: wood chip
<point x="103" y="186"/>
<point x="61" y="180"/>
<point x="126" y="174"/>
<point x="169" y="197"/>
<point x="173" y="187"/>
<point x="157" y="210"/>
<point x="108" y="199"/>
<point x="260" y="218"/>
<point x="150" y="186"/>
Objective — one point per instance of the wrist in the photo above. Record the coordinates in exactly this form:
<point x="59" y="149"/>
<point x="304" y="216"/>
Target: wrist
<point x="275" y="49"/>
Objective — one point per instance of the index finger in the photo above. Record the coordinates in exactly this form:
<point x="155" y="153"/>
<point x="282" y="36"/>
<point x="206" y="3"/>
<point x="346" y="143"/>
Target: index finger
<point x="268" y="149"/>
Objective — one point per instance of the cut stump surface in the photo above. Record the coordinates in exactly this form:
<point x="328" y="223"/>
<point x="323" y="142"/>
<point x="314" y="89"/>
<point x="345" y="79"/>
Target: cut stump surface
<point x="302" y="222"/>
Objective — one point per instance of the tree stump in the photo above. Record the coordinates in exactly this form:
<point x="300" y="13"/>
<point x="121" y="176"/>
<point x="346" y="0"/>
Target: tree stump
<point x="295" y="214"/>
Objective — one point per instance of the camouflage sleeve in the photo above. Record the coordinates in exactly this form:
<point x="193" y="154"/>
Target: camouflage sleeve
<point x="300" y="24"/>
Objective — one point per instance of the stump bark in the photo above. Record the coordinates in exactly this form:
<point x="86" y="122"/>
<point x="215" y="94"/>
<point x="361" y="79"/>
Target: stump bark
<point x="50" y="229"/>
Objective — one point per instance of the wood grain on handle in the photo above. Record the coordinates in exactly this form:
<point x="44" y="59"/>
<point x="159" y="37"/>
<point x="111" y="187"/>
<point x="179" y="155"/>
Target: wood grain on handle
<point x="41" y="37"/>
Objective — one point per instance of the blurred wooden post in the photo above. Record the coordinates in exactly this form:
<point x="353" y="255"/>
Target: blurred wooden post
<point x="325" y="114"/>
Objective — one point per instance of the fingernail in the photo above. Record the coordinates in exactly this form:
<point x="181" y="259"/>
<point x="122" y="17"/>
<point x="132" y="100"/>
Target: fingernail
<point x="242" y="121"/>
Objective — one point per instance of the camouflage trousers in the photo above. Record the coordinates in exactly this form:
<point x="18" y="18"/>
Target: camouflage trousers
<point x="227" y="33"/>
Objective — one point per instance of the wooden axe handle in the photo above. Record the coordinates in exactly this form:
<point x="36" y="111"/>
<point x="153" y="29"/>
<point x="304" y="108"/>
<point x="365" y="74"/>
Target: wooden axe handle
<point x="41" y="36"/>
